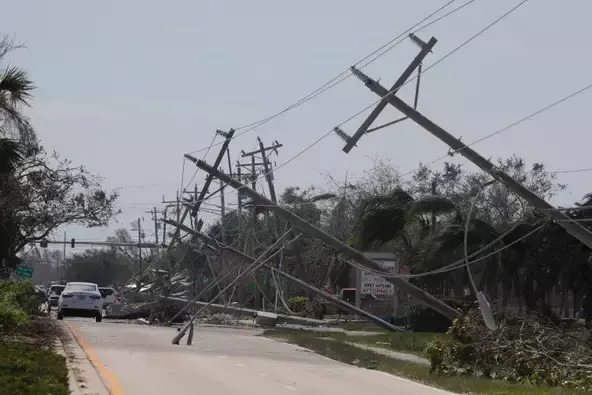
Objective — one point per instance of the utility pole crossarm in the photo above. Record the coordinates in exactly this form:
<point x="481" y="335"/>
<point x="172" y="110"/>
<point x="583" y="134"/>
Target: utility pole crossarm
<point x="425" y="50"/>
<point x="275" y="146"/>
<point x="228" y="136"/>
<point x="574" y="228"/>
<point x="353" y="254"/>
<point x="217" y="162"/>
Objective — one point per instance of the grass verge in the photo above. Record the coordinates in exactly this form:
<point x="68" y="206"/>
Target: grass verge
<point x="27" y="369"/>
<point x="407" y="342"/>
<point x="352" y="355"/>
<point x="29" y="365"/>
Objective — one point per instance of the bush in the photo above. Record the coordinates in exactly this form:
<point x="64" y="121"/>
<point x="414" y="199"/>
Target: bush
<point x="23" y="295"/>
<point x="531" y="349"/>
<point x="298" y="303"/>
<point x="12" y="318"/>
<point x="26" y="369"/>
<point x="17" y="302"/>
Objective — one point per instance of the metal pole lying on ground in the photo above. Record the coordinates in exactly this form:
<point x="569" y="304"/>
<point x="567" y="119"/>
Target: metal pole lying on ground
<point x="258" y="262"/>
<point x="333" y="299"/>
<point x="353" y="254"/>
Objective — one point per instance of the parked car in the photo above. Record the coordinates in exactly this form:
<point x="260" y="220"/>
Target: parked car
<point x="108" y="295"/>
<point x="53" y="294"/>
<point x="81" y="300"/>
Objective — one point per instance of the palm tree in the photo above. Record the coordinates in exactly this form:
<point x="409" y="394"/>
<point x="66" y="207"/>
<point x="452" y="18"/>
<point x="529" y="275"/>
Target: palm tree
<point x="405" y="225"/>
<point x="16" y="139"/>
<point x="15" y="92"/>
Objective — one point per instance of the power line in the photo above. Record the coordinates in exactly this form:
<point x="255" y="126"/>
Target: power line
<point x="456" y="49"/>
<point x="512" y="125"/>
<point x="391" y="44"/>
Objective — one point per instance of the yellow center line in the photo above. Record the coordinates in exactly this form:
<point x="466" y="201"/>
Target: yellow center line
<point x="108" y="376"/>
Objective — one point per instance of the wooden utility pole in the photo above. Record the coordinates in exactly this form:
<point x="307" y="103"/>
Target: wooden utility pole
<point x="434" y="191"/>
<point x="331" y="298"/>
<point x="346" y="250"/>
<point x="572" y="227"/>
<point x="140" y="255"/>
<point x="425" y="49"/>
<point x="254" y="172"/>
<point x="154" y="215"/>
<point x="267" y="167"/>
<point x="228" y="137"/>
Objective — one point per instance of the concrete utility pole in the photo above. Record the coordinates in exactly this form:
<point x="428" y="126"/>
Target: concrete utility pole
<point x="302" y="284"/>
<point x="353" y="254"/>
<point x="572" y="227"/>
<point x="425" y="49"/>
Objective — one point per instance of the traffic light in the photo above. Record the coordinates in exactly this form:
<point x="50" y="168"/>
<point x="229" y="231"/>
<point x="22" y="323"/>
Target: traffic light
<point x="43" y="243"/>
<point x="73" y="243"/>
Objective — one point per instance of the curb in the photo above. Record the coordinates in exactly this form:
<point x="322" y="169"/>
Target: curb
<point x="83" y="377"/>
<point x="72" y="381"/>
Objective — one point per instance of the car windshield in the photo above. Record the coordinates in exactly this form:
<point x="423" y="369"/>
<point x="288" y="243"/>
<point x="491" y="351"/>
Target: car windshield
<point x="82" y="287"/>
<point x="106" y="292"/>
<point x="57" y="289"/>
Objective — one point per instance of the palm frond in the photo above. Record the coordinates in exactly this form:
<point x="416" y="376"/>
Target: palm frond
<point x="15" y="87"/>
<point x="10" y="155"/>
<point x="382" y="218"/>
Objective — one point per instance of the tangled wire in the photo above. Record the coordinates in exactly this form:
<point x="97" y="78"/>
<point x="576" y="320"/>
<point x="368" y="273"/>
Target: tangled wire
<point x="530" y="349"/>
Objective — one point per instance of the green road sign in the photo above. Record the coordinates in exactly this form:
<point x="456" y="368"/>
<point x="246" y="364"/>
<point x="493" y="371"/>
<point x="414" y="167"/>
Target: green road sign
<point x="251" y="285"/>
<point x="24" y="271"/>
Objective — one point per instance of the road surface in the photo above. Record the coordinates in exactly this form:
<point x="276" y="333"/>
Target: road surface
<point x="136" y="359"/>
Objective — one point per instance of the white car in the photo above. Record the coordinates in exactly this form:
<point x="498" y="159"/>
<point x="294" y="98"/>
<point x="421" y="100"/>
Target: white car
<point x="81" y="300"/>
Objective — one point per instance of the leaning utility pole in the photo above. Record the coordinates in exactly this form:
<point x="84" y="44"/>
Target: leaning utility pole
<point x="267" y="166"/>
<point x="416" y="63"/>
<point x="228" y="137"/>
<point x="331" y="298"/>
<point x="572" y="227"/>
<point x="346" y="250"/>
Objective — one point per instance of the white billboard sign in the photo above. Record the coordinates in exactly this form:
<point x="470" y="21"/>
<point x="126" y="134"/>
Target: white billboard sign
<point x="373" y="284"/>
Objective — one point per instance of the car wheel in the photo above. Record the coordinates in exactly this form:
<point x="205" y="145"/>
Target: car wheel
<point x="99" y="318"/>
<point x="60" y="315"/>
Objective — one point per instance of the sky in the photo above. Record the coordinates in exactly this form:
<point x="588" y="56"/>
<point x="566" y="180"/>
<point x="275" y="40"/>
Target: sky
<point x="125" y="88"/>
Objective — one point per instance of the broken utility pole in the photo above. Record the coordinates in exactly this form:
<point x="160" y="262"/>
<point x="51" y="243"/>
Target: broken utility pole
<point x="572" y="227"/>
<point x="416" y="63"/>
<point x="330" y="298"/>
<point x="353" y="254"/>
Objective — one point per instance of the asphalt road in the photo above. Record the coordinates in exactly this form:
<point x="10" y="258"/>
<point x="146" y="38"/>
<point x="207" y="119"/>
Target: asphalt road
<point x="136" y="359"/>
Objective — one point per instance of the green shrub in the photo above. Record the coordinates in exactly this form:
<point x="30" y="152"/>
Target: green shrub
<point x="298" y="303"/>
<point x="23" y="295"/>
<point x="26" y="369"/>
<point x="12" y="317"/>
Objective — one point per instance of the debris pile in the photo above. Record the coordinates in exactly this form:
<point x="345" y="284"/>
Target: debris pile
<point x="220" y="319"/>
<point x="531" y="349"/>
